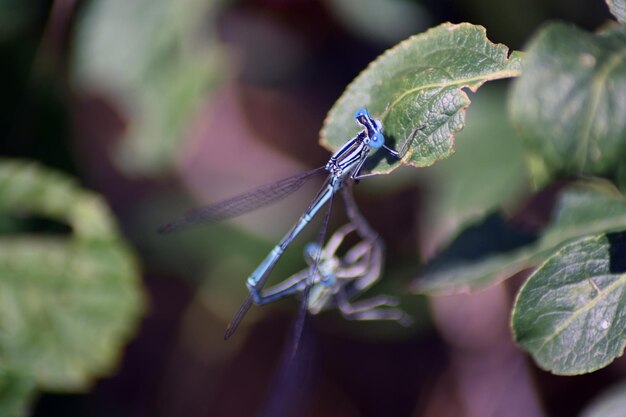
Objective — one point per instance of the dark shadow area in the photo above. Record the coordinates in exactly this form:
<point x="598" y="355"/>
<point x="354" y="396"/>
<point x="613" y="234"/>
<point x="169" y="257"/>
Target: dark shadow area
<point x="617" y="252"/>
<point x="495" y="235"/>
<point x="33" y="224"/>
<point x="376" y="157"/>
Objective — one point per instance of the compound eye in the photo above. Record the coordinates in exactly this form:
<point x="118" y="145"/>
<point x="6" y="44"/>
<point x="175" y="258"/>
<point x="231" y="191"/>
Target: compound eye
<point x="360" y="113"/>
<point x="378" y="140"/>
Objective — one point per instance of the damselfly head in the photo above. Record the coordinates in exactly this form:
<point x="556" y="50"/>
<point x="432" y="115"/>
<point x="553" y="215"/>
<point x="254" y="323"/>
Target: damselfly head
<point x="361" y="114"/>
<point x="372" y="126"/>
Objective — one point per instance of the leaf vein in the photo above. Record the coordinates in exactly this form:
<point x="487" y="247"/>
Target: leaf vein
<point x="615" y="285"/>
<point x="459" y="83"/>
<point x="598" y="86"/>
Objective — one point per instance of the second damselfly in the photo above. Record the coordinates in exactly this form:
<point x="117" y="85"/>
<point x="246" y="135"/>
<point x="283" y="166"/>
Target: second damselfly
<point x="343" y="167"/>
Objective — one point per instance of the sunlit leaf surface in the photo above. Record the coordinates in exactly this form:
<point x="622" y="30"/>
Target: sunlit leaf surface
<point x="571" y="313"/>
<point x="416" y="90"/>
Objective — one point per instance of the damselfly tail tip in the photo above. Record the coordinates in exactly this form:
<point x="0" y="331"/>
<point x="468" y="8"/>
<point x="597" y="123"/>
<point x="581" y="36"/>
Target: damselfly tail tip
<point x="234" y="323"/>
<point x="229" y="331"/>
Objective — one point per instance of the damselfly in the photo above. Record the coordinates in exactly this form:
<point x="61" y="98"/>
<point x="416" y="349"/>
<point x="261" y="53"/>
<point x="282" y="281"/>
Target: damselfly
<point x="335" y="279"/>
<point x="343" y="167"/>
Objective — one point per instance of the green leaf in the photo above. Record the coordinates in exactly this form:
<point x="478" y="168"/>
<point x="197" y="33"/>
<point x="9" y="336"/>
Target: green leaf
<point x="483" y="253"/>
<point x="569" y="103"/>
<point x="152" y="58"/>
<point x="488" y="252"/>
<point x="611" y="403"/>
<point x="486" y="172"/>
<point x="16" y="393"/>
<point x="68" y="302"/>
<point x="618" y="8"/>
<point x="571" y="313"/>
<point x="416" y="90"/>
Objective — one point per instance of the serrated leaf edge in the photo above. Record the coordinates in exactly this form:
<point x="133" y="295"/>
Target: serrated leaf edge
<point x="512" y="57"/>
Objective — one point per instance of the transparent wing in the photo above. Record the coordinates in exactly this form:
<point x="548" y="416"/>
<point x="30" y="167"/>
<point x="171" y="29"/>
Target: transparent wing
<point x="242" y="203"/>
<point x="248" y="302"/>
<point x="302" y="313"/>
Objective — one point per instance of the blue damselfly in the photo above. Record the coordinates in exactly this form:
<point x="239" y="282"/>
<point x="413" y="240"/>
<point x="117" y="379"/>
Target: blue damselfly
<point x="343" y="168"/>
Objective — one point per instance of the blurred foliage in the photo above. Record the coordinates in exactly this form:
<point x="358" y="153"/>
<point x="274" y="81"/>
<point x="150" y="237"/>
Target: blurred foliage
<point x="568" y="106"/>
<point x="394" y="19"/>
<point x="33" y="108"/>
<point x="16" y="393"/>
<point x="69" y="299"/>
<point x="415" y="89"/>
<point x="158" y="61"/>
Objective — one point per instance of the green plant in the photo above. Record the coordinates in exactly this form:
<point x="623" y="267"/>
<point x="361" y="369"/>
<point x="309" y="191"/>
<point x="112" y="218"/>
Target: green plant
<point x="69" y="300"/>
<point x="568" y="103"/>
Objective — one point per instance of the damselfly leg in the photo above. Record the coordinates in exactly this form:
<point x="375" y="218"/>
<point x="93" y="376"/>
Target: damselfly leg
<point x="331" y="280"/>
<point x="343" y="168"/>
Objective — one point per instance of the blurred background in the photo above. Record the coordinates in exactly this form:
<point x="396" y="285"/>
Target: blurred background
<point x="164" y="105"/>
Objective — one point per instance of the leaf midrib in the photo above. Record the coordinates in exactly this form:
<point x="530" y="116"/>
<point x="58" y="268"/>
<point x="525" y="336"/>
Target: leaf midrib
<point x="597" y="88"/>
<point x="455" y="83"/>
<point x="585" y="308"/>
